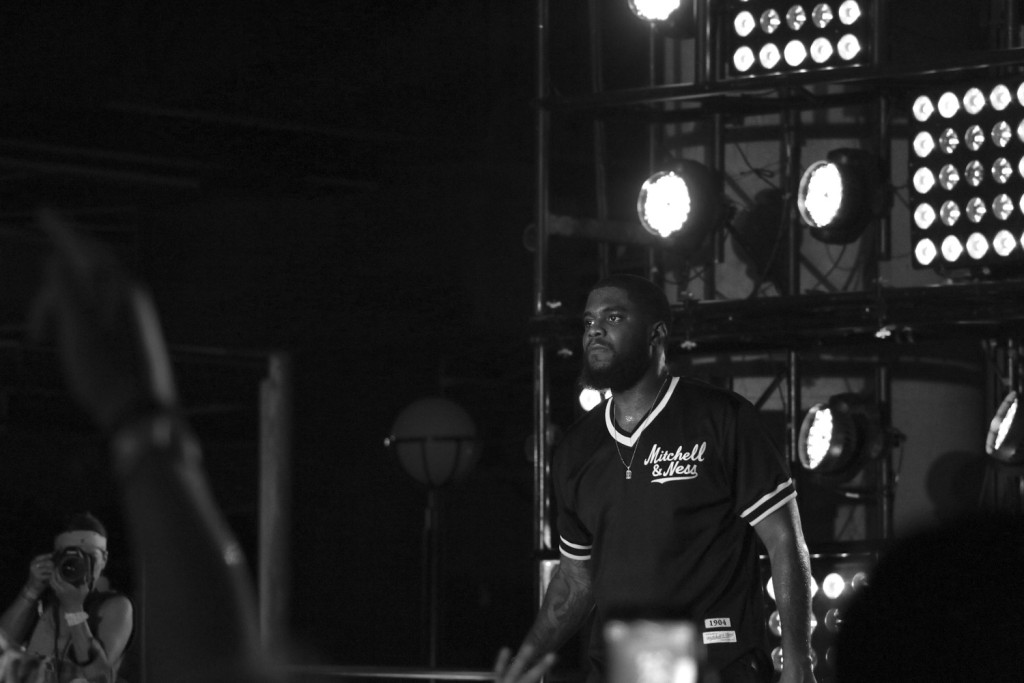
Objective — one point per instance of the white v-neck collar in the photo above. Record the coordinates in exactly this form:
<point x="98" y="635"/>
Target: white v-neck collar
<point x="630" y="440"/>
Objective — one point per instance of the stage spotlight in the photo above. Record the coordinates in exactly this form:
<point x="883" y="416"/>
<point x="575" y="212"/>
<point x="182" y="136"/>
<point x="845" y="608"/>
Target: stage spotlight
<point x="970" y="138"/>
<point x="1006" y="432"/>
<point x="681" y="204"/>
<point x="839" y="437"/>
<point x="839" y="196"/>
<point x="591" y="398"/>
<point x="676" y="16"/>
<point x="832" y="34"/>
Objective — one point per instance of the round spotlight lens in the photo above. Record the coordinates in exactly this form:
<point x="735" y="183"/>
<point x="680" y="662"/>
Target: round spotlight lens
<point x="951" y="248"/>
<point x="777" y="658"/>
<point x="859" y="580"/>
<point x="974" y="100"/>
<point x="590" y="399"/>
<point x="1020" y="166"/>
<point x="821" y="15"/>
<point x="924" y="216"/>
<point x="770" y="21"/>
<point x="1000" y="97"/>
<point x="1004" y="243"/>
<point x="925" y="252"/>
<point x="1002" y="206"/>
<point x="977" y="246"/>
<point x="924" y="180"/>
<point x="743" y="59"/>
<point x="974" y="138"/>
<point x="796" y="17"/>
<point x="924" y="144"/>
<point x="775" y="624"/>
<point x="821" y="50"/>
<point x="974" y="173"/>
<point x="832" y="586"/>
<point x="654" y="10"/>
<point x="820" y="194"/>
<point x="976" y="209"/>
<point x="1001" y="170"/>
<point x="1001" y="134"/>
<point x="795" y="53"/>
<point x="849" y="12"/>
<point x="1005" y="424"/>
<point x="744" y="23"/>
<point x="1020" y="131"/>
<point x="949" y="214"/>
<point x="923" y="108"/>
<point x="848" y="47"/>
<point x="1020" y="93"/>
<point x="833" y="620"/>
<point x="948" y="177"/>
<point x="769" y="589"/>
<point x="769" y="55"/>
<point x="819" y="437"/>
<point x="664" y="203"/>
<point x="949" y="105"/>
<point x="948" y="141"/>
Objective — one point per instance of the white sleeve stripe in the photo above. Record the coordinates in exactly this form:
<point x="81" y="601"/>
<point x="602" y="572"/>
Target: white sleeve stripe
<point x="571" y="556"/>
<point x="764" y="499"/>
<point x="573" y="545"/>
<point x="773" y="508"/>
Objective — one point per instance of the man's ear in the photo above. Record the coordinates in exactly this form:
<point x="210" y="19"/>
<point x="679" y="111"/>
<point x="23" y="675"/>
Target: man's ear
<point x="659" y="332"/>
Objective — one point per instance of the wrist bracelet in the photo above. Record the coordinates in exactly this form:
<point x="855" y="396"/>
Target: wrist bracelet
<point x="75" y="618"/>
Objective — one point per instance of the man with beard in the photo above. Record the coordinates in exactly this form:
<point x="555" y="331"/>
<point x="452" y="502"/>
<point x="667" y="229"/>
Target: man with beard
<point x="662" y="493"/>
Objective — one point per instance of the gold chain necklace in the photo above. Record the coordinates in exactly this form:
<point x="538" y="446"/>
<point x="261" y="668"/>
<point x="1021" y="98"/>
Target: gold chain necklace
<point x="629" y="471"/>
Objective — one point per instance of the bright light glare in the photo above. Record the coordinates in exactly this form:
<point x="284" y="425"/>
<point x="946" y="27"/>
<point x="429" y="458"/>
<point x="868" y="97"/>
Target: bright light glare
<point x="849" y="47"/>
<point x="977" y="246"/>
<point x="974" y="138"/>
<point x="664" y="203"/>
<point x="770" y="21"/>
<point x="795" y="52"/>
<point x="949" y="105"/>
<point x="769" y="55"/>
<point x="819" y="437"/>
<point x="743" y="59"/>
<point x="951" y="248"/>
<point x="924" y="144"/>
<point x="849" y="12"/>
<point x="833" y="585"/>
<point x="821" y="50"/>
<point x="924" y="216"/>
<point x="1004" y="243"/>
<point x="949" y="177"/>
<point x="590" y="399"/>
<point x="924" y="180"/>
<point x="925" y="252"/>
<point x="1000" y="97"/>
<point x="1004" y="426"/>
<point x="974" y="100"/>
<point x="769" y="588"/>
<point x="1002" y="206"/>
<point x="823" y="193"/>
<point x="976" y="209"/>
<point x="948" y="141"/>
<point x="1001" y="170"/>
<point x="949" y="213"/>
<point x="822" y="15"/>
<point x="923" y="108"/>
<point x="1001" y="134"/>
<point x="744" y="23"/>
<point x="796" y="17"/>
<point x="654" y="10"/>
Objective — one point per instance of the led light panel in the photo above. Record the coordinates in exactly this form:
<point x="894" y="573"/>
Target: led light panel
<point x="967" y="175"/>
<point x="764" y="37"/>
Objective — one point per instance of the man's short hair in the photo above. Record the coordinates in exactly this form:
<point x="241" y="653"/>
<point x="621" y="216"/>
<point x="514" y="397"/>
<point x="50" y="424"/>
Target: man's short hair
<point x="645" y="295"/>
<point x="84" y="521"/>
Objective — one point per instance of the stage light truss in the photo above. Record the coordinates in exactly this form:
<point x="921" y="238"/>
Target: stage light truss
<point x="766" y="37"/>
<point x="967" y="175"/>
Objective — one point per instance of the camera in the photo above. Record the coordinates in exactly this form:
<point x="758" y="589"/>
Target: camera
<point x="74" y="565"/>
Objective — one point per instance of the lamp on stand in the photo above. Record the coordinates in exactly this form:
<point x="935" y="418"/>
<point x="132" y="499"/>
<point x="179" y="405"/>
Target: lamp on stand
<point x="436" y="443"/>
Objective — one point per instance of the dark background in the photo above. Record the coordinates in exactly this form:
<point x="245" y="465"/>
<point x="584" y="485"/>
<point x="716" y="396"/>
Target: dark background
<point x="345" y="181"/>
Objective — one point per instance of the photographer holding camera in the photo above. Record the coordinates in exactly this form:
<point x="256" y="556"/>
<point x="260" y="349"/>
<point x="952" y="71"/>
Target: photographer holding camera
<point x="65" y="615"/>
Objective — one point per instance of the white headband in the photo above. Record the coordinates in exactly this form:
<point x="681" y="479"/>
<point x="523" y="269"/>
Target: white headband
<point x="89" y="540"/>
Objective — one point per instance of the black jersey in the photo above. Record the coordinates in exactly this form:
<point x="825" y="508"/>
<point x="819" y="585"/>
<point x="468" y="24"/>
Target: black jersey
<point x="676" y="537"/>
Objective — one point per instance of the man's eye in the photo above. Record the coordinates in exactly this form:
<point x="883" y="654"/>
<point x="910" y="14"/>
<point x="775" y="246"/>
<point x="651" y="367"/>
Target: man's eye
<point x="588" y="323"/>
<point x="615" y="318"/>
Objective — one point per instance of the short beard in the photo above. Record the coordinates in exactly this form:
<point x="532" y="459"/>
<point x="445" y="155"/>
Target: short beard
<point x="622" y="373"/>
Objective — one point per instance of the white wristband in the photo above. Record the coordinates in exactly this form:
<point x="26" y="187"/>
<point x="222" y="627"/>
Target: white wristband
<point x="75" y="618"/>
